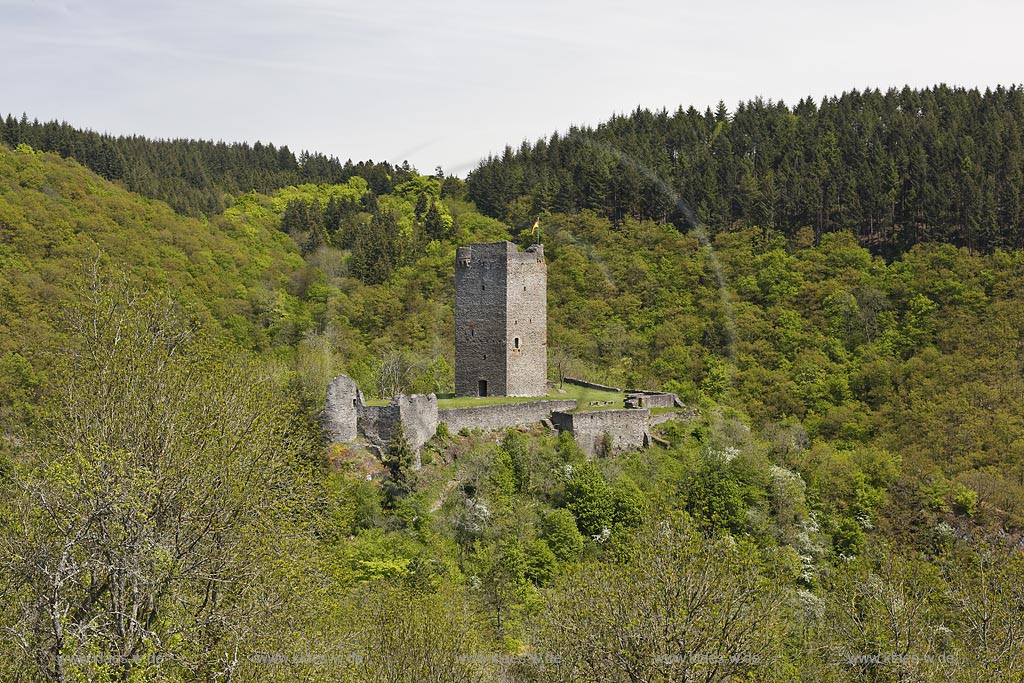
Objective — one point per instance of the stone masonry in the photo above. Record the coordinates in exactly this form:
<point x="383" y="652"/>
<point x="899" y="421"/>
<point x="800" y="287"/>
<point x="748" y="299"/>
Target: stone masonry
<point x="628" y="428"/>
<point x="501" y="416"/>
<point x="341" y="411"/>
<point x="500" y="320"/>
<point x="347" y="418"/>
<point x="500" y="350"/>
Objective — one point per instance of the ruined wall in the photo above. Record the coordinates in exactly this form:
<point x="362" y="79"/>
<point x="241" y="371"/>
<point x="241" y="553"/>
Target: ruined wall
<point x="591" y="385"/>
<point x="377" y="424"/>
<point x="527" y="322"/>
<point x="338" y="419"/>
<point x="500" y="320"/>
<point x="419" y="418"/>
<point x="347" y="418"/>
<point x="627" y="427"/>
<point x="501" y="416"/>
<point x="651" y="399"/>
<point x="416" y="413"/>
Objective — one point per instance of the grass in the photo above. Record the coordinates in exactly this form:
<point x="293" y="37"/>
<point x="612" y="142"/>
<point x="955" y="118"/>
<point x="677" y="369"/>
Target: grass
<point x="585" y="396"/>
<point x="450" y="401"/>
<point x="582" y="395"/>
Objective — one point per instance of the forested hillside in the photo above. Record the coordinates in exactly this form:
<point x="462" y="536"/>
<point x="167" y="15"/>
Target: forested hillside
<point x="196" y="177"/>
<point x="896" y="168"/>
<point x="370" y="276"/>
<point x="845" y="506"/>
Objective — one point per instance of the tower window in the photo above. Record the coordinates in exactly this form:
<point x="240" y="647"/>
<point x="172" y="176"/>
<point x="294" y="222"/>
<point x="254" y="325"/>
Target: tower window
<point x="517" y="342"/>
<point x="483" y="287"/>
<point x="524" y="288"/>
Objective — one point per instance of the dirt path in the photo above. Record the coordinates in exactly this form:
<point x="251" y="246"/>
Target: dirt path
<point x="448" y="486"/>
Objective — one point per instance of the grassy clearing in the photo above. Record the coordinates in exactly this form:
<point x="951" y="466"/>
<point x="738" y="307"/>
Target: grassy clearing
<point x="583" y="396"/>
<point x="449" y="401"/>
<point x="602" y="400"/>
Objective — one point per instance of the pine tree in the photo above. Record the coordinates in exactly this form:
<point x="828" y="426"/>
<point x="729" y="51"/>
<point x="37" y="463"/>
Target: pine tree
<point x="421" y="206"/>
<point x="433" y="223"/>
<point x="398" y="461"/>
<point x="375" y="251"/>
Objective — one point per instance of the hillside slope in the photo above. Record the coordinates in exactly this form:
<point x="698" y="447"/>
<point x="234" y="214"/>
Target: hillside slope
<point x="61" y="224"/>
<point x="897" y="168"/>
<point x="851" y="487"/>
<point x="196" y="177"/>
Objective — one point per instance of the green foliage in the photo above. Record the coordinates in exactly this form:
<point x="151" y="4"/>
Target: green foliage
<point x="965" y="501"/>
<point x="502" y="570"/>
<point x="714" y="493"/>
<point x="196" y="177"/>
<point x="397" y="460"/>
<point x="541" y="562"/>
<point x="589" y="498"/>
<point x="599" y="507"/>
<point x="159" y="460"/>
<point x="857" y="418"/>
<point x="514" y="446"/>
<point x="847" y="537"/>
<point x="562" y="535"/>
<point x="898" y="168"/>
<point x="681" y="606"/>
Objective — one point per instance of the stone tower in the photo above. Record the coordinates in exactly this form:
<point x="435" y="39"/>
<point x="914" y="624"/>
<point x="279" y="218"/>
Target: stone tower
<point x="500" y="321"/>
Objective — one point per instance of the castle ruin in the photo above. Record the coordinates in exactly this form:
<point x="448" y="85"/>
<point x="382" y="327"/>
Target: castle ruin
<point x="500" y="350"/>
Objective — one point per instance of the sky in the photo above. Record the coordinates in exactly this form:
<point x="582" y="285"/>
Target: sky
<point x="448" y="83"/>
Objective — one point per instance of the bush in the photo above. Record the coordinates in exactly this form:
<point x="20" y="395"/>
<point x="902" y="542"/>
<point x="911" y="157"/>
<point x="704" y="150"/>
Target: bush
<point x="562" y="535"/>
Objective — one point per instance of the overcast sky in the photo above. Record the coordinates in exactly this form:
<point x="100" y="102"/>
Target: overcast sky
<point x="446" y="83"/>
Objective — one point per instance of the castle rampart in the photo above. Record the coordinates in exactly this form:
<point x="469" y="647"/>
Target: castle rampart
<point x="628" y="429"/>
<point x="501" y="416"/>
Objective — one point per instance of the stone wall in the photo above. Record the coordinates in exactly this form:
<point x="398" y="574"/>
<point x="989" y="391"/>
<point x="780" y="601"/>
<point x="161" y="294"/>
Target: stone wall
<point x="651" y="399"/>
<point x="346" y="418"/>
<point x="627" y="428"/>
<point x="340" y="412"/>
<point x="419" y="418"/>
<point x="416" y="413"/>
<point x="481" y="272"/>
<point x="501" y="416"/>
<point x="527" y="322"/>
<point x="500" y="320"/>
<point x="377" y="424"/>
<point x="590" y="385"/>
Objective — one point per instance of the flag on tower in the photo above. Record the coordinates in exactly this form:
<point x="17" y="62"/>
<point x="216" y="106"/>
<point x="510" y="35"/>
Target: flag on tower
<point x="536" y="224"/>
